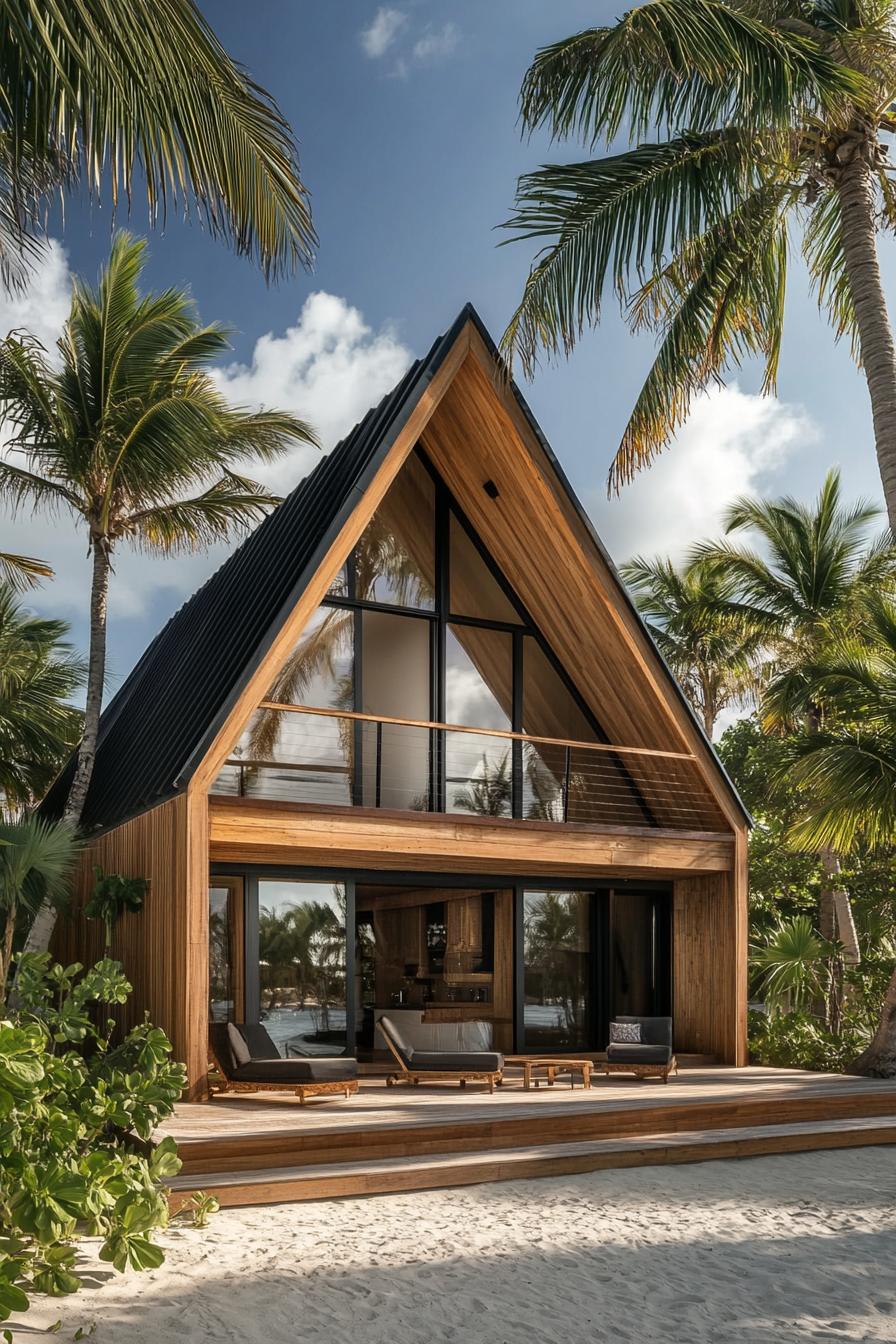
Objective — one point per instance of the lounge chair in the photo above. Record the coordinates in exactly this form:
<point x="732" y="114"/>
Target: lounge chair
<point x="247" y="1060"/>
<point x="416" y="1066"/>
<point x="653" y="1057"/>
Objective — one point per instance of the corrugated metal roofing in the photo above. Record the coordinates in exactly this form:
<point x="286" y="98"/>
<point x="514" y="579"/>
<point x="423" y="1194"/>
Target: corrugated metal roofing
<point x="159" y="725"/>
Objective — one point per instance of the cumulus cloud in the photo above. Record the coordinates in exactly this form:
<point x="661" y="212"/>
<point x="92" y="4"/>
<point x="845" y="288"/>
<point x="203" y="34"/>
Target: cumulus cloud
<point x="732" y="444"/>
<point x="329" y="367"/>
<point x="436" y="44"/>
<point x="381" y="32"/>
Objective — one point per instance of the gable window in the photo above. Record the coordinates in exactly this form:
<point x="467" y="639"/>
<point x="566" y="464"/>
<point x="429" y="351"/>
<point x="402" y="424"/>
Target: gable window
<point x="416" y="681"/>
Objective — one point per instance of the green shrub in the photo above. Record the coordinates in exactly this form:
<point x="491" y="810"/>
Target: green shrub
<point x="77" y="1114"/>
<point x="801" y="1041"/>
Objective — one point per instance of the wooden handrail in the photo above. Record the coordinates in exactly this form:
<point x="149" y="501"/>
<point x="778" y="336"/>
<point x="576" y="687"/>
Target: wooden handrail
<point x="477" y="732"/>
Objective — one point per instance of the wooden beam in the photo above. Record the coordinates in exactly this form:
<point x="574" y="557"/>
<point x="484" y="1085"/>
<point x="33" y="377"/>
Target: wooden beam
<point x="263" y="832"/>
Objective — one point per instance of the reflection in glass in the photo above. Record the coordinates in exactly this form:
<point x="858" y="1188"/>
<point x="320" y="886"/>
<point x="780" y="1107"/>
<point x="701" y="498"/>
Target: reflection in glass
<point x="395" y="558"/>
<point x="478" y="694"/>
<point x="225" y="950"/>
<point x="301" y="966"/>
<point x="639" y="930"/>
<point x="556" y="948"/>
<point x="396" y="682"/>
<point x="474" y="589"/>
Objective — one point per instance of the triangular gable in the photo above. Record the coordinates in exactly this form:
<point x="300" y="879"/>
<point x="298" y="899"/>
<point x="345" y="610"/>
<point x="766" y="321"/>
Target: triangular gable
<point x="183" y="707"/>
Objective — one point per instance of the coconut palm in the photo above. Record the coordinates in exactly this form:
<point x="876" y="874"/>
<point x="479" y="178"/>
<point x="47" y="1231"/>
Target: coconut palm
<point x="37" y="862"/>
<point x="848" y="770"/>
<point x="38" y="725"/>
<point x="714" y="647"/>
<point x="129" y="434"/>
<point x="120" y="95"/>
<point x="751" y="123"/>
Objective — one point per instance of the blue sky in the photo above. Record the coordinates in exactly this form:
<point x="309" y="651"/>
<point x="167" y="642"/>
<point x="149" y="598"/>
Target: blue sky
<point x="407" y="119"/>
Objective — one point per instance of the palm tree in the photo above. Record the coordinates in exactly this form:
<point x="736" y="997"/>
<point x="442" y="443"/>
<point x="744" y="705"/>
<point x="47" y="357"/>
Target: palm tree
<point x="38" y="725"/>
<point x="750" y="122"/>
<point x="713" y="646"/>
<point x="489" y="791"/>
<point x="790" y="964"/>
<point x="130" y="436"/>
<point x="37" y="861"/>
<point x="122" y="93"/>
<point x="810" y="586"/>
<point x="848" y="770"/>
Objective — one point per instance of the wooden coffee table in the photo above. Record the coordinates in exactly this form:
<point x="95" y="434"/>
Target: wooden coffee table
<point x="550" y="1066"/>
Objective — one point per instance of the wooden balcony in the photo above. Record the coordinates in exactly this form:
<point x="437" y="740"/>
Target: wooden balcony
<point x="335" y="759"/>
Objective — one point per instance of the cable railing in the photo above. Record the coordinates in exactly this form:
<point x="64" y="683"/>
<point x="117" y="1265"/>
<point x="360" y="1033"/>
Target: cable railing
<point x="346" y="759"/>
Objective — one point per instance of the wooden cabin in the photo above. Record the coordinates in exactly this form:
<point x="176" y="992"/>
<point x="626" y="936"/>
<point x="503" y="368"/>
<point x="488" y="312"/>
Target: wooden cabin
<point x="412" y="749"/>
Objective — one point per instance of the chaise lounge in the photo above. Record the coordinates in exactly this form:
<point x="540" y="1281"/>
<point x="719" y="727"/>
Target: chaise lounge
<point x="416" y="1066"/>
<point x="650" y="1055"/>
<point x="246" y="1060"/>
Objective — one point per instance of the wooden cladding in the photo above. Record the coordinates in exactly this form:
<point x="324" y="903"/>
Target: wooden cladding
<point x="163" y="948"/>
<point x="243" y="830"/>
<point x="709" y="966"/>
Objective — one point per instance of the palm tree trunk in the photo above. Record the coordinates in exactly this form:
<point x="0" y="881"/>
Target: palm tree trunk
<point x="878" y="349"/>
<point x="41" y="930"/>
<point x="879" y="1060"/>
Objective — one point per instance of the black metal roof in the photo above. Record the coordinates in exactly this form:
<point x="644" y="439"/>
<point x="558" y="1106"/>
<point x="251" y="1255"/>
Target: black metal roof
<point x="161" y="722"/>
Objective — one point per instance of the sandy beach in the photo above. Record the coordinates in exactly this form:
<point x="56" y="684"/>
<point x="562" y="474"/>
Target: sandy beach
<point x="764" y="1251"/>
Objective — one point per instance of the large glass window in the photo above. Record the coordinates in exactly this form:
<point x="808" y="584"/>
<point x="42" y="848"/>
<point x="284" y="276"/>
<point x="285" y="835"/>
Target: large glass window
<point x="301" y="966"/>
<point x="474" y="590"/>
<point x="394" y="561"/>
<point x="479" y="694"/>
<point x="557" y="979"/>
<point x="639" y="942"/>
<point x="396" y="683"/>
<point x="225" y="950"/>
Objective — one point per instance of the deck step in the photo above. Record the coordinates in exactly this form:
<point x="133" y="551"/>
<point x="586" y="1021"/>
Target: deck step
<point x="333" y="1180"/>
<point x="525" y="1124"/>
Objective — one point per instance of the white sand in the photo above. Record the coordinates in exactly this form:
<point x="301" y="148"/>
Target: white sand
<point x="768" y="1250"/>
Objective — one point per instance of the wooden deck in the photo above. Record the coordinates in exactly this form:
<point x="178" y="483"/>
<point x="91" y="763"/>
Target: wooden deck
<point x="267" y="1149"/>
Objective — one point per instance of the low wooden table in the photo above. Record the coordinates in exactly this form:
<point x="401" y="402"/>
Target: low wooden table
<point x="551" y="1065"/>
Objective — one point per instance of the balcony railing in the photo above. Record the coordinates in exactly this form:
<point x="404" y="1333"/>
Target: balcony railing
<point x="340" y="758"/>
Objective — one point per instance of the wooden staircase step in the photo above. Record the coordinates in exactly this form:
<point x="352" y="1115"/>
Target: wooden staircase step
<point x="531" y="1124"/>
<point x="331" y="1180"/>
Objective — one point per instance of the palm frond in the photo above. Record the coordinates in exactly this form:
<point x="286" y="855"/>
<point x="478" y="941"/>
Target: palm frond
<point x="144" y="93"/>
<point x="231" y="504"/>
<point x="22" y="571"/>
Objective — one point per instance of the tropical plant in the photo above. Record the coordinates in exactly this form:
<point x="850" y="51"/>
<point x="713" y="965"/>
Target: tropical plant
<point x="801" y="1041"/>
<point x="120" y="94"/>
<point x="790" y="965"/>
<point x="750" y="121"/>
<point x="713" y="646"/>
<point x="810" y="584"/>
<point x="38" y="724"/>
<point x="848" y="771"/>
<point x="114" y="895"/>
<point x="489" y="790"/>
<point x="130" y="435"/>
<point x="22" y="571"/>
<point x="37" y="862"/>
<point x="78" y="1117"/>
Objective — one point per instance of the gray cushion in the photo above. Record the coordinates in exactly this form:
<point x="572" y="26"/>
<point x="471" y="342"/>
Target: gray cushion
<point x="654" y="1030"/>
<point x="307" y="1070"/>
<point x="389" y="1029"/>
<point x="259" y="1042"/>
<point x="238" y="1047"/>
<point x="464" y="1061"/>
<point x="639" y="1054"/>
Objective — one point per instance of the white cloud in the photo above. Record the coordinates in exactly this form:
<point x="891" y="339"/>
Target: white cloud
<point x="43" y="307"/>
<point x="436" y="44"/>
<point x="379" y="35"/>
<point x="732" y="443"/>
<point x="329" y="368"/>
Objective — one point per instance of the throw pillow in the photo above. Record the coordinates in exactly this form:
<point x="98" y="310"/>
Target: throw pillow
<point x="238" y="1047"/>
<point x="625" y="1033"/>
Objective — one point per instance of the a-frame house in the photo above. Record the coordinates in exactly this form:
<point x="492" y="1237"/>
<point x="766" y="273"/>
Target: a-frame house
<point x="411" y="748"/>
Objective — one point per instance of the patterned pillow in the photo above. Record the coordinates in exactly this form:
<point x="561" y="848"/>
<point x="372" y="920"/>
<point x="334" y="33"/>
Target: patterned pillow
<point x="625" y="1033"/>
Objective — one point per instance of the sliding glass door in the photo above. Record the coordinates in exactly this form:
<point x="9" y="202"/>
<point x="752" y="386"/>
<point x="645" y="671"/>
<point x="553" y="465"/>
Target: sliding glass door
<point x="558" y="971"/>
